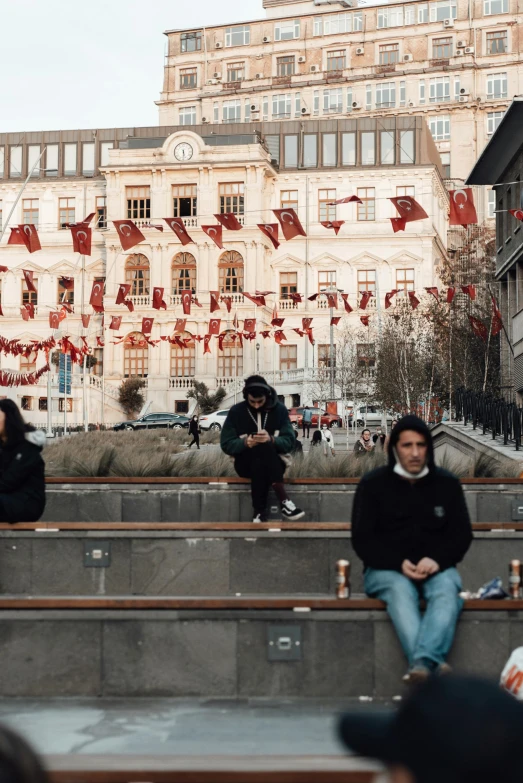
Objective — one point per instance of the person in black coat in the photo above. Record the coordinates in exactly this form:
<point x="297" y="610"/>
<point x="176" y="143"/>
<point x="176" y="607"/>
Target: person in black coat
<point x="22" y="469"/>
<point x="194" y="430"/>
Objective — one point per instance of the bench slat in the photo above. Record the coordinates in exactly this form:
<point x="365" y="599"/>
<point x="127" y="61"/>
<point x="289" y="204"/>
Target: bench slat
<point x="233" y="526"/>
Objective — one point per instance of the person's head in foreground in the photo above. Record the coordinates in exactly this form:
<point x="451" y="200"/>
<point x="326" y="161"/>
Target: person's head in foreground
<point x="450" y="730"/>
<point x="256" y="392"/>
<point x="410" y="448"/>
<point x="12" y="425"/>
<point x="18" y="761"/>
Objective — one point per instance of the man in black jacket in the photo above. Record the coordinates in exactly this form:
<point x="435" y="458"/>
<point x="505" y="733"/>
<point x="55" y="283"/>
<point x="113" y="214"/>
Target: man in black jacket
<point x="410" y="526"/>
<point x="256" y="432"/>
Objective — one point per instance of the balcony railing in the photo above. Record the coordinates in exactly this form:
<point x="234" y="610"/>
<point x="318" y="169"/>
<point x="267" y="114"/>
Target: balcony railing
<point x="287" y="304"/>
<point x="141" y="300"/>
<point x="181" y="383"/>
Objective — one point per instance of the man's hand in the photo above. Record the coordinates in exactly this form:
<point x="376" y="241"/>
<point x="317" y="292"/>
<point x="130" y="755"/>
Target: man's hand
<point x="262" y="437"/>
<point x="251" y="442"/>
<point x="409" y="570"/>
<point x="427" y="566"/>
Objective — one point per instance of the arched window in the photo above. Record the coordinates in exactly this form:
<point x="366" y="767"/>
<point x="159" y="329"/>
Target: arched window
<point x="230" y="360"/>
<point x="230" y="267"/>
<point x="137" y="274"/>
<point x="184" y="273"/>
<point x="136" y="356"/>
<point x="183" y="359"/>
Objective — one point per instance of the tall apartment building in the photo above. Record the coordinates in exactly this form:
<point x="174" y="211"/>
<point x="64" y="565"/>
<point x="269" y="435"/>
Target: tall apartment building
<point x="455" y="62"/>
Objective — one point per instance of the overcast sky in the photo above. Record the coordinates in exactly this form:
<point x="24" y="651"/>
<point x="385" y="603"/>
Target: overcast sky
<point x="96" y="64"/>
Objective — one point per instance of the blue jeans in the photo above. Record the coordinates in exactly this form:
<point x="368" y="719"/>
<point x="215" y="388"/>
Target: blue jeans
<point x="428" y="636"/>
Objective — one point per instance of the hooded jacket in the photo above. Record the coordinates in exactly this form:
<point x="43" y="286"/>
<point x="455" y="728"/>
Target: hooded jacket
<point x="22" y="479"/>
<point x="240" y="423"/>
<point x="394" y="519"/>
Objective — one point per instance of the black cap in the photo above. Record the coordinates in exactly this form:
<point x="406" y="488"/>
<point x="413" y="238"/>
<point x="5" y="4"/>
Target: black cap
<point x="450" y="730"/>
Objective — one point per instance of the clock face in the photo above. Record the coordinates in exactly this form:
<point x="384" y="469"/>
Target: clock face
<point x="183" y="151"/>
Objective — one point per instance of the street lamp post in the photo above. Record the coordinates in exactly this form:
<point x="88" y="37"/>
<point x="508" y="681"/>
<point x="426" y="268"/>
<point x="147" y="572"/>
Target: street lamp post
<point x="258" y="358"/>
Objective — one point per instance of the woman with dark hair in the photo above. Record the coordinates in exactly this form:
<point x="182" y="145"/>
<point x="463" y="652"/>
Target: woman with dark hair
<point x="194" y="430"/>
<point x="22" y="469"/>
<point x="18" y="761"/>
<point x="317" y="440"/>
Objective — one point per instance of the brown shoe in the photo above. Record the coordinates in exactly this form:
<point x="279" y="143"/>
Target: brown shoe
<point x="444" y="669"/>
<point x="417" y="674"/>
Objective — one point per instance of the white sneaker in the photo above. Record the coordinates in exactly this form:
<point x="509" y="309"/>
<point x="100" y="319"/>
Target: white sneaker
<point x="291" y="511"/>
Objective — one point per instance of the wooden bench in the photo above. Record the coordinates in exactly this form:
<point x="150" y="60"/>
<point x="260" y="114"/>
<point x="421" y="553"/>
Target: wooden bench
<point x="235" y="480"/>
<point x="220" y="526"/>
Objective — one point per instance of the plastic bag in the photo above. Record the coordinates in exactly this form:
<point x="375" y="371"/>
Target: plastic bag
<point x="512" y="675"/>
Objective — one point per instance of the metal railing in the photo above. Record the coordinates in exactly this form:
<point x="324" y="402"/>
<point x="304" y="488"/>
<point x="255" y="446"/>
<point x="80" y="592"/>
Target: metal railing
<point x="492" y="414"/>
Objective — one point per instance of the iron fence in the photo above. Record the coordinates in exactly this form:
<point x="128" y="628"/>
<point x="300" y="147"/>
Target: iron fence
<point x="493" y="414"/>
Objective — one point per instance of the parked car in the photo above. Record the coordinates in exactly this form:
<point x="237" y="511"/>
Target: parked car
<point x="171" y="421"/>
<point x="371" y="415"/>
<point x="330" y="419"/>
<point x="213" y="421"/>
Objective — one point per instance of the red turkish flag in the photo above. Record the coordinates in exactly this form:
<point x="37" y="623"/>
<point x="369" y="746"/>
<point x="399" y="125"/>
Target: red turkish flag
<point x="128" y="233"/>
<point x="389" y="296"/>
<point x="215" y="233"/>
<point x="517" y="213"/>
<point x="28" y="275"/>
<point x="180" y="325"/>
<point x="116" y="320"/>
<point x="335" y="320"/>
<point x="313" y="297"/>
<point x="158" y="303"/>
<point x="186" y="302"/>
<point x="434" y="292"/>
<point x="298" y="331"/>
<point x="279" y="336"/>
<point x="123" y="292"/>
<point x="67" y="283"/>
<point x="290" y="223"/>
<point x="409" y="208"/>
<point x="450" y="295"/>
<point x="147" y="325"/>
<point x="348" y="308"/>
<point x="497" y="320"/>
<point x="398" y="224"/>
<point x="30" y="237"/>
<point x="271" y="232"/>
<point x="86" y="221"/>
<point x="97" y="296"/>
<point x="15" y="238"/>
<point x="66" y="307"/>
<point x="259" y="301"/>
<point x="178" y="226"/>
<point x="249" y="325"/>
<point x="206" y="341"/>
<point x="214" y="326"/>
<point x="479" y="328"/>
<point x="3" y="268"/>
<point x="462" y="209"/>
<point x="414" y="301"/>
<point x="82" y="236"/>
<point x="306" y="323"/>
<point x="215" y="301"/>
<point x="365" y="296"/>
<point x="229" y="221"/>
<point x="24" y="313"/>
<point x="85" y="321"/>
<point x="266" y="333"/>
<point x="277" y="321"/>
<point x="332" y="300"/>
<point x="296" y="298"/>
<point x="308" y="332"/>
<point x="264" y="293"/>
<point x="227" y="300"/>
<point x="335" y="224"/>
<point x="345" y="200"/>
<point x="365" y="319"/>
<point x="54" y="320"/>
<point x="470" y="290"/>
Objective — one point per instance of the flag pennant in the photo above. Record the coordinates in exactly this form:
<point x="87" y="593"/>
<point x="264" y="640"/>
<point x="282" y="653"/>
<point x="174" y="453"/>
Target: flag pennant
<point x="87" y="220"/>
<point x="206" y="341"/>
<point x="180" y="325"/>
<point x="158" y="303"/>
<point x="186" y="302"/>
<point x="296" y="298"/>
<point x="24" y="313"/>
<point x="279" y="336"/>
<point x="249" y="325"/>
<point x="389" y="296"/>
<point x="365" y="297"/>
<point x="332" y="300"/>
<point x="335" y="224"/>
<point x="147" y="325"/>
<point x="298" y="331"/>
<point x="271" y="232"/>
<point x="450" y="294"/>
<point x="227" y="300"/>
<point x="54" y="319"/>
<point x="479" y="328"/>
<point x="414" y="301"/>
<point x="178" y="226"/>
<point x="266" y="333"/>
<point x="3" y="268"/>
<point x="128" y="233"/>
<point x="470" y="290"/>
<point x="123" y="291"/>
<point x="290" y="223"/>
<point x="517" y="213"/>
<point x="67" y="283"/>
<point x="306" y="323"/>
<point x="215" y="233"/>
<point x="497" y="320"/>
<point x="96" y="299"/>
<point x="335" y="320"/>
<point x="434" y="292"/>
<point x="348" y="308"/>
<point x="345" y="200"/>
<point x="28" y="276"/>
<point x="462" y="209"/>
<point x="66" y="308"/>
<point x="264" y="293"/>
<point x="277" y="321"/>
<point x="235" y="321"/>
<point x="409" y="208"/>
<point x="30" y="237"/>
<point x="259" y="300"/>
<point x="214" y="326"/>
<point x="313" y="297"/>
<point x="229" y="221"/>
<point x="82" y="236"/>
<point x="15" y="237"/>
<point x="365" y="319"/>
<point x="398" y="224"/>
<point x="215" y="301"/>
<point x="116" y="320"/>
<point x="85" y="321"/>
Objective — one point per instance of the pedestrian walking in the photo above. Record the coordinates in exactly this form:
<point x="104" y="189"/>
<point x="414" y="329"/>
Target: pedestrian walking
<point x="256" y="432"/>
<point x="317" y="440"/>
<point x="364" y="444"/>
<point x="327" y="440"/>
<point x="306" y="420"/>
<point x="195" y="431"/>
<point x="379" y="439"/>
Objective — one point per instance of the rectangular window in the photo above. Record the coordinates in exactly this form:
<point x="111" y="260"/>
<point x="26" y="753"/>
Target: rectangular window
<point x="26" y="403"/>
<point x="491" y="207"/>
<point x="367" y="209"/>
<point x="33" y="153"/>
<point x="101" y="212"/>
<point x="310" y="150"/>
<point x="368" y="148"/>
<point x="440" y="127"/>
<point x="423" y="13"/>
<point x="185" y="200"/>
<point x="138" y="203"/>
<point x="187" y="115"/>
<point x="407" y="146"/>
<point x="357" y="21"/>
<point x="442" y="48"/>
<point x="216" y="112"/>
<point x="2" y="161"/>
<point x="66" y="212"/>
<point x="188" y="78"/>
<point x="349" y="99"/>
<point x="386" y="95"/>
<point x="61" y="404"/>
<point x="232" y="111"/>
<point x="289" y="199"/>
<point x="410" y="15"/>
<point x="288" y="284"/>
<point x="439" y="89"/>
<point x="492" y="7"/>
<point x="366" y="353"/>
<point x="442" y="9"/>
<point x="70" y="164"/>
<point x="191" y="42"/>
<point x="387" y="148"/>
<point x="266" y="107"/>
<point x="337" y="61"/>
<point x="324" y="355"/>
<point x="30" y="211"/>
<point x="389" y="54"/>
<point x="390" y="17"/>
<point x="29" y="297"/>
<point x="497" y="85"/>
<point x="329" y="151"/>
<point x="88" y="167"/>
<point x="297" y="104"/>
<point x="238" y="36"/>
<point x="42" y="404"/>
<point x="288" y="357"/>
<point x="334" y="24"/>
<point x="457" y="88"/>
<point x="181" y="406"/>
<point x="368" y="96"/>
<point x="285" y="66"/>
<point x="405" y="279"/>
<point x="333" y="101"/>
<point x="15" y="162"/>
<point x="232" y="197"/>
<point x="287" y="30"/>
<point x="405" y="190"/>
<point x="497" y="42"/>
<point x="493" y="120"/>
<point x="348" y="149"/>
<point x="403" y="94"/>
<point x="325" y="210"/>
<point x="235" y="72"/>
<point x="367" y="281"/>
<point x="247" y="110"/>
<point x="281" y="107"/>
<point x="326" y="280"/>
<point x="422" y="92"/>
<point x="273" y="145"/>
<point x="316" y="99"/>
<point x="290" y="152"/>
<point x="64" y="294"/>
<point x="105" y="148"/>
<point x="445" y="162"/>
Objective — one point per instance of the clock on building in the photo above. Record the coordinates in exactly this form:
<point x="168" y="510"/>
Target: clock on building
<point x="183" y="151"/>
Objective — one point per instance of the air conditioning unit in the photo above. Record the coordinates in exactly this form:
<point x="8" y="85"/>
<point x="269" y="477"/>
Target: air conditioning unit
<point x="259" y="75"/>
<point x="301" y="58"/>
<point x="448" y="23"/>
<point x="461" y="44"/>
<point x="463" y="98"/>
<point x="266" y="39"/>
<point x="356" y="105"/>
<point x="360" y="50"/>
<point x="469" y="50"/>
<point x="254" y="107"/>
<point x="218" y="45"/>
<point x="459" y="53"/>
<point x="205" y="120"/>
<point x="463" y="91"/>
<point x="305" y="111"/>
<point x="407" y="58"/>
<point x="410" y="104"/>
<point x="315" y="68"/>
<point x="212" y="81"/>
<point x="217" y="75"/>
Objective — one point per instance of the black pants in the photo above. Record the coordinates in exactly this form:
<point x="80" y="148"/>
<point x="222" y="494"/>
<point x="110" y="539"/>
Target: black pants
<point x="306" y="426"/>
<point x="195" y="439"/>
<point x="264" y="467"/>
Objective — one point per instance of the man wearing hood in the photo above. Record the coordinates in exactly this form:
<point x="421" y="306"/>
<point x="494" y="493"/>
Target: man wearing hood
<point x="410" y="526"/>
<point x="256" y="432"/>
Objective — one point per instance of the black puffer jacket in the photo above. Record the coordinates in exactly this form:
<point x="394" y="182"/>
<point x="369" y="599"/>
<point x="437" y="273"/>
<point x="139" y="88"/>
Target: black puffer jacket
<point x="22" y="479"/>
